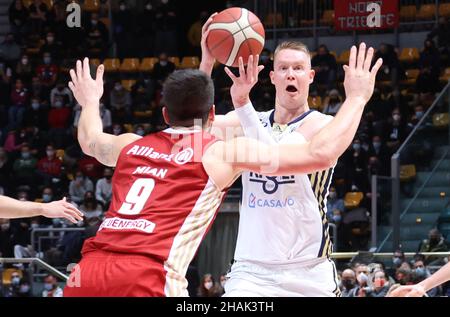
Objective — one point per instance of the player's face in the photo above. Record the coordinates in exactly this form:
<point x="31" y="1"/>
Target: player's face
<point x="292" y="75"/>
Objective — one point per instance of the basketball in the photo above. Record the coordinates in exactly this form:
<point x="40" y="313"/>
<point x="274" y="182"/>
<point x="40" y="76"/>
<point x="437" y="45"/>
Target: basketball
<point x="235" y="32"/>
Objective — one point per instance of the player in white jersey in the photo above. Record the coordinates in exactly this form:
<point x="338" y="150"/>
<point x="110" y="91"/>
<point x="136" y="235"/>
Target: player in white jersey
<point x="283" y="244"/>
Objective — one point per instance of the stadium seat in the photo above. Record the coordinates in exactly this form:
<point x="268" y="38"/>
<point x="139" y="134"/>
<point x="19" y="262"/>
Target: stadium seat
<point x="94" y="62"/>
<point x="440" y="120"/>
<point x="408" y="13"/>
<point x="444" y="10"/>
<point x="60" y="154"/>
<point x="175" y="60"/>
<point x="353" y="199"/>
<point x="91" y="5"/>
<point x="445" y="75"/>
<point x="426" y="12"/>
<point x="315" y="102"/>
<point x="7" y="273"/>
<point x="129" y="65"/>
<point x="106" y="22"/>
<point x="143" y="114"/>
<point x="344" y="57"/>
<point x="111" y="64"/>
<point x="147" y="64"/>
<point x="190" y="62"/>
<point x="411" y="76"/>
<point x="128" y="127"/>
<point x="407" y="172"/>
<point x="128" y="83"/>
<point x="327" y="17"/>
<point x="273" y="19"/>
<point x="409" y="55"/>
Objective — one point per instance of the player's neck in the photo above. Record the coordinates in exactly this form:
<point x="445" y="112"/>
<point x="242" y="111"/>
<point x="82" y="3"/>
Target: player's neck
<point x="182" y="128"/>
<point x="284" y="115"/>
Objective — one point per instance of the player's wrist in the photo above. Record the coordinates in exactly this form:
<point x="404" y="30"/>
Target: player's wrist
<point x="240" y="101"/>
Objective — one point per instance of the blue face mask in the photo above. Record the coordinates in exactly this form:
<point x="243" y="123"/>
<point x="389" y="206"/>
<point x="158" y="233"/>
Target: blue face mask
<point x="25" y="155"/>
<point x="420" y="271"/>
<point x="356" y="146"/>
<point x="419" y="114"/>
<point x="15" y="280"/>
<point x="46" y="198"/>
<point x="48" y="286"/>
<point x="337" y="218"/>
<point x="397" y="261"/>
<point x="376" y="145"/>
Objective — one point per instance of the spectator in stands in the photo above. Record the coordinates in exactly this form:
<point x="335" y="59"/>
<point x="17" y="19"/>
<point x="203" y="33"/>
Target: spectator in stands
<point x="117" y="129"/>
<point x="12" y="290"/>
<point x="348" y="282"/>
<point x="205" y="288"/>
<point x="90" y="167"/>
<point x="356" y="159"/>
<point x="378" y="149"/>
<point x="24" y="70"/>
<point x="52" y="46"/>
<point x="334" y="203"/>
<point x="47" y="72"/>
<point x="442" y="32"/>
<point x="36" y="114"/>
<point x="162" y="69"/>
<point x="58" y="121"/>
<point x="5" y="170"/>
<point x="15" y="140"/>
<point x="146" y="29"/>
<point x="10" y="50"/>
<point x="6" y="246"/>
<point x="325" y="67"/>
<point x="49" y="167"/>
<point x="91" y="207"/>
<point x="18" y="19"/>
<point x="51" y="288"/>
<point x="332" y="103"/>
<point x="124" y="26"/>
<point x="97" y="37"/>
<point x="79" y="186"/>
<point x="120" y="101"/>
<point x="194" y="34"/>
<point x="429" y="66"/>
<point x="24" y="289"/>
<point x="362" y="278"/>
<point x="166" y="38"/>
<point x="142" y="95"/>
<point x="38" y="15"/>
<point x="39" y="91"/>
<point x="391" y="65"/>
<point x="396" y="131"/>
<point x="61" y="93"/>
<point x="103" y="188"/>
<point x="19" y="101"/>
<point x="434" y="243"/>
<point x="24" y="167"/>
<point x="421" y="272"/>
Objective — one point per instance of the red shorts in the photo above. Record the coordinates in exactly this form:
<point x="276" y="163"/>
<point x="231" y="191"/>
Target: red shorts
<point x="101" y="273"/>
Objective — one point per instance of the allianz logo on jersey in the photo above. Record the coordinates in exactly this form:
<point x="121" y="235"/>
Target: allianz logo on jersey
<point x="254" y="201"/>
<point x="180" y="158"/>
<point x="270" y="184"/>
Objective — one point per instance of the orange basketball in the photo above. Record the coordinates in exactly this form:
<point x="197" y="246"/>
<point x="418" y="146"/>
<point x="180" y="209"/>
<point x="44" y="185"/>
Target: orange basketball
<point x="235" y="32"/>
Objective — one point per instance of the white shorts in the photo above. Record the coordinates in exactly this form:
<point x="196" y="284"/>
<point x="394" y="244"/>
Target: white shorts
<point x="318" y="279"/>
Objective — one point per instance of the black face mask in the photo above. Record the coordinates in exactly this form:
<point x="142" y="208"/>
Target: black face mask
<point x="108" y="177"/>
<point x="434" y="241"/>
<point x="348" y="284"/>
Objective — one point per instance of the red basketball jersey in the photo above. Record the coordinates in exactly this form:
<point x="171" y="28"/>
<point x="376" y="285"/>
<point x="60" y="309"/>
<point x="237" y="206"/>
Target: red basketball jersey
<point x="163" y="202"/>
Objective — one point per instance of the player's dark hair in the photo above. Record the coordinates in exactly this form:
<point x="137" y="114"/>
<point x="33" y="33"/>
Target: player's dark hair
<point x="188" y="95"/>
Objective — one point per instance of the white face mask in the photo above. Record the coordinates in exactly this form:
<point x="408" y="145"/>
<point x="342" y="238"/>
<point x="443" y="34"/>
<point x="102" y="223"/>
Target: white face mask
<point x="208" y="285"/>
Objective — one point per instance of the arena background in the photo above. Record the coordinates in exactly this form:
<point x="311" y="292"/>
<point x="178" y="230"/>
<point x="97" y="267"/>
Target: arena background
<point x="392" y="184"/>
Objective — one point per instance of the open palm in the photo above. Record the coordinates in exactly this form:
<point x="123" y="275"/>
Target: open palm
<point x="83" y="86"/>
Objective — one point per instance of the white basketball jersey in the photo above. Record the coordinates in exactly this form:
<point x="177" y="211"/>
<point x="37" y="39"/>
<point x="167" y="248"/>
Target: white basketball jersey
<point x="283" y="218"/>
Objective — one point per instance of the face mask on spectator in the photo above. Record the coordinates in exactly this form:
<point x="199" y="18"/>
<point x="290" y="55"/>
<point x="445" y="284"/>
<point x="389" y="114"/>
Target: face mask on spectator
<point x="56" y="222"/>
<point x="163" y="63"/>
<point x="25" y="155"/>
<point x="356" y="146"/>
<point x="48" y="286"/>
<point x="379" y="282"/>
<point x="348" y="284"/>
<point x="376" y="145"/>
<point x="58" y="104"/>
<point x="34" y="225"/>
<point x="5" y="226"/>
<point x="208" y="285"/>
<point x="396" y="117"/>
<point x="420" y="271"/>
<point x="50" y="153"/>
<point x="24" y="288"/>
<point x="118" y="87"/>
<point x="116" y="131"/>
<point x="337" y="218"/>
<point x="223" y="282"/>
<point x="50" y="39"/>
<point x="397" y="261"/>
<point x="419" y="114"/>
<point x="15" y="280"/>
<point x="47" y="60"/>
<point x="94" y="22"/>
<point x="79" y="179"/>
<point x="332" y="195"/>
<point x="122" y="7"/>
<point x="362" y="278"/>
<point x="25" y="61"/>
<point x="149" y="7"/>
<point x="46" y="198"/>
<point x="35" y="105"/>
<point x="108" y="177"/>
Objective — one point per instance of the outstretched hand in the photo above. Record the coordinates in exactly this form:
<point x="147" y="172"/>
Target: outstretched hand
<point x="83" y="86"/>
<point x="240" y="90"/>
<point x="62" y="209"/>
<point x="359" y="80"/>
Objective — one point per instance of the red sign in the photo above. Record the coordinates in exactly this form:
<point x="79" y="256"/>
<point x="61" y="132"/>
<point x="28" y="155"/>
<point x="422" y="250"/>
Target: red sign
<point x="354" y="14"/>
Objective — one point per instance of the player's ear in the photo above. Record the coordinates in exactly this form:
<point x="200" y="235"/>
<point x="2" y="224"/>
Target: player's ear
<point x="271" y="74"/>
<point x="312" y="73"/>
<point x="165" y="114"/>
<point x="212" y="114"/>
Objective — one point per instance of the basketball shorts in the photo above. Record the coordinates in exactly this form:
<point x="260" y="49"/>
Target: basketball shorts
<point x="108" y="274"/>
<point x="315" y="279"/>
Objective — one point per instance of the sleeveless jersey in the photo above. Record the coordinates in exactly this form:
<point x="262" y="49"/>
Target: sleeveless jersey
<point x="163" y="203"/>
<point x="283" y="218"/>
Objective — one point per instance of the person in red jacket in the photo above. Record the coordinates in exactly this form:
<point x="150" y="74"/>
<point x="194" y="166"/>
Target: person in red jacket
<point x="49" y="167"/>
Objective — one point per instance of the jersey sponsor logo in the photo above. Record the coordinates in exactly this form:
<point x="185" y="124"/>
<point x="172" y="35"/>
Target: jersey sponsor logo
<point x="270" y="184"/>
<point x="149" y="152"/>
<point x="184" y="156"/>
<point x="254" y="201"/>
<point x="128" y="224"/>
<point x="148" y="170"/>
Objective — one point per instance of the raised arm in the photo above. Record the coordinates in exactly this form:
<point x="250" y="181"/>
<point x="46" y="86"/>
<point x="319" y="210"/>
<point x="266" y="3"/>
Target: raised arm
<point x="93" y="141"/>
<point x="12" y="208"/>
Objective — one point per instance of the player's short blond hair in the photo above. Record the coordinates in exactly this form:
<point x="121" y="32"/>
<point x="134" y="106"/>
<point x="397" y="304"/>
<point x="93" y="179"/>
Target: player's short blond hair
<point x="292" y="45"/>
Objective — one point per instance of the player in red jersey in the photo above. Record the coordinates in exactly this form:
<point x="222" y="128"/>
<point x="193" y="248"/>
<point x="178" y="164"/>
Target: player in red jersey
<point x="167" y="186"/>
